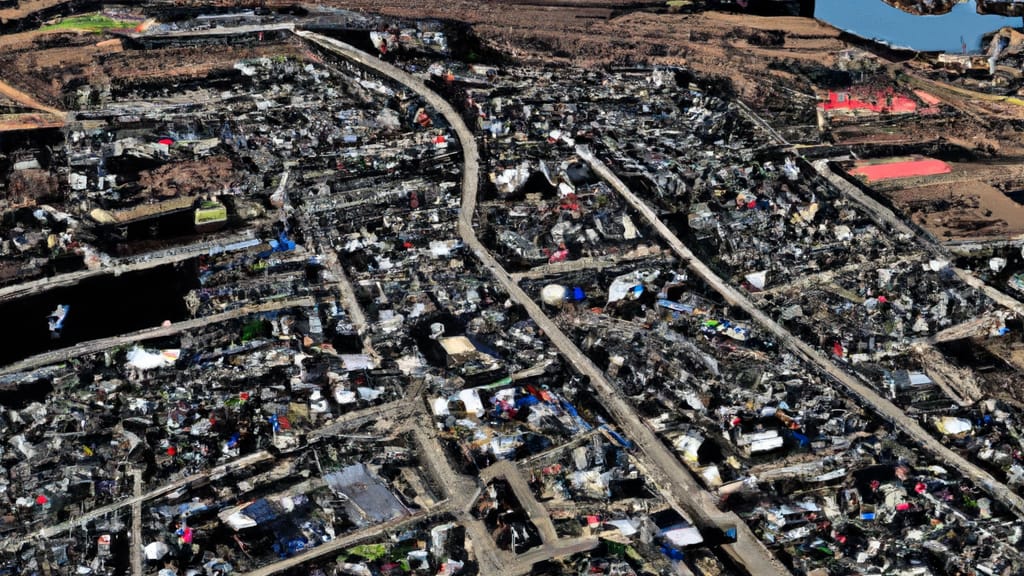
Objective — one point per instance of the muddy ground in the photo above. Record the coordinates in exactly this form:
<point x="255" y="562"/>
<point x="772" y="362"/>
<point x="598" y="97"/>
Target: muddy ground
<point x="776" y="64"/>
<point x="52" y="66"/>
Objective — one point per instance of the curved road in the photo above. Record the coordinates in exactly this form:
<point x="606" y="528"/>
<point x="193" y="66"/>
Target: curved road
<point x="665" y="470"/>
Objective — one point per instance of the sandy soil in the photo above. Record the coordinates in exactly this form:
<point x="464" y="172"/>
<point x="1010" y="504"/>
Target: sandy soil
<point x="711" y="43"/>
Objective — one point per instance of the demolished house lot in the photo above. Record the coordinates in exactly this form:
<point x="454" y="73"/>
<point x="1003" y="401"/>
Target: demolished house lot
<point x="729" y="399"/>
<point x="326" y="317"/>
<point x="291" y="312"/>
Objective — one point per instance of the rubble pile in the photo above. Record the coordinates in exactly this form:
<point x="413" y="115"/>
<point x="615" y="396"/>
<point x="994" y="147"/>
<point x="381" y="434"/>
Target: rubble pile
<point x="434" y="313"/>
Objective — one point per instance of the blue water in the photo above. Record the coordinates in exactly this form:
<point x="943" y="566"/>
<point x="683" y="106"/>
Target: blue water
<point x="877" y="20"/>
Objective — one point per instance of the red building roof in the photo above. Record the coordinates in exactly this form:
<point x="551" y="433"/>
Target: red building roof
<point x="902" y="169"/>
<point x="878" y="102"/>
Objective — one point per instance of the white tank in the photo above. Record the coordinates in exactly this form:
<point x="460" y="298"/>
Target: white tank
<point x="553" y="295"/>
<point x="436" y="330"/>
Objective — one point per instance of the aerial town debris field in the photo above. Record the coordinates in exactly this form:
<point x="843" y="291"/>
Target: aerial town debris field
<point x="366" y="288"/>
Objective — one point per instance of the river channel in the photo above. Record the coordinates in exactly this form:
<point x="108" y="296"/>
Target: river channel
<point x="874" y="19"/>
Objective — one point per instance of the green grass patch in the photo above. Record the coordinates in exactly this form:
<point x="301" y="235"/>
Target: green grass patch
<point x="370" y="552"/>
<point x="89" y="22"/>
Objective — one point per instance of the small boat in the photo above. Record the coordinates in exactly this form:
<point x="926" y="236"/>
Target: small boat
<point x="56" y="319"/>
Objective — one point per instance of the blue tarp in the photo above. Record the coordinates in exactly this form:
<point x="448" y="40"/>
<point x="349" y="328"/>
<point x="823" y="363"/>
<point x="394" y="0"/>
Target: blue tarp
<point x="482" y="346"/>
<point x="676" y="306"/>
<point x="575" y="415"/>
<point x="283" y="243"/>
<point x="260" y="511"/>
<point x="671" y="552"/>
<point x="528" y="400"/>
<point x="620" y="439"/>
<point x="804" y="441"/>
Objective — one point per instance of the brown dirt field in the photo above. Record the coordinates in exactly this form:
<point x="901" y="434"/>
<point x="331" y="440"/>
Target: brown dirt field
<point x="26" y="7"/>
<point x="44" y="68"/>
<point x="710" y="43"/>
<point x="992" y="172"/>
<point x="694" y="40"/>
<point x="1005" y="384"/>
<point x="46" y="72"/>
<point x="25" y="100"/>
<point x="192" y="62"/>
<point x="189" y="178"/>
<point x="794" y="26"/>
<point x="18" y="122"/>
<point x="965" y="210"/>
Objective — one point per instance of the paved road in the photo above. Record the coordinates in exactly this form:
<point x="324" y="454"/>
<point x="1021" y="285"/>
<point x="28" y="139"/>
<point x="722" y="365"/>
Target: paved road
<point x="753" y="117"/>
<point x="883" y="217"/>
<point x="1001" y="298"/>
<point x="585" y="263"/>
<point x="216" y="31"/>
<point x="136" y="536"/>
<point x="394" y="411"/>
<point x="462" y="492"/>
<point x="855" y="387"/>
<point x="553" y="550"/>
<point x="665" y="469"/>
<point x="684" y="492"/>
<point x="322" y="246"/>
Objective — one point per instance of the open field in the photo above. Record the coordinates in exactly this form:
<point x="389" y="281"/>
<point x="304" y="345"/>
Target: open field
<point x="89" y="23"/>
<point x="965" y="210"/>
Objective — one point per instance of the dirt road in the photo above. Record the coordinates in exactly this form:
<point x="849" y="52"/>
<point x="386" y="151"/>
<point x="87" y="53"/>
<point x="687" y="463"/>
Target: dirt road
<point x="864" y="394"/>
<point x="682" y="490"/>
<point x="26" y="100"/>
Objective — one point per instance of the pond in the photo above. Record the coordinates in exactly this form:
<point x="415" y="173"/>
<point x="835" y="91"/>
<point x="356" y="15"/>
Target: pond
<point x="877" y="20"/>
<point x="100" y="306"/>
